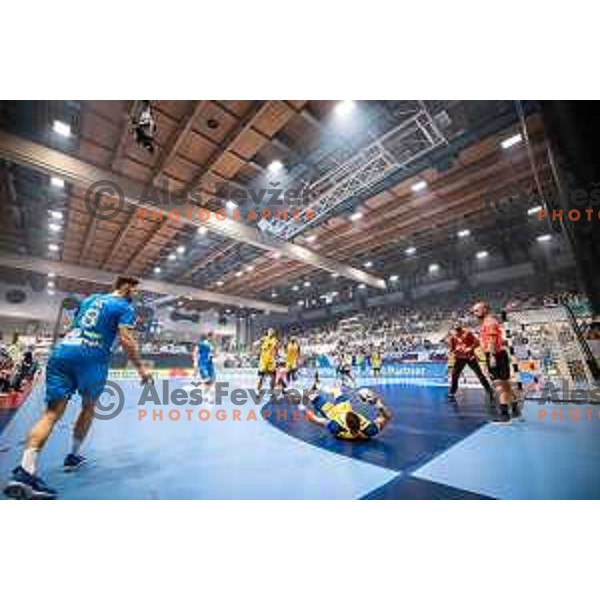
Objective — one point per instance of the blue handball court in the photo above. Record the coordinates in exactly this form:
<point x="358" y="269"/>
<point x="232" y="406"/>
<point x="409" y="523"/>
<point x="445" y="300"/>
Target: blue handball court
<point x="431" y="450"/>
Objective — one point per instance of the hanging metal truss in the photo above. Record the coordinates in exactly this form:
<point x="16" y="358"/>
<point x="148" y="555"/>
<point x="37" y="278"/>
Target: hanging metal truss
<point x="394" y="150"/>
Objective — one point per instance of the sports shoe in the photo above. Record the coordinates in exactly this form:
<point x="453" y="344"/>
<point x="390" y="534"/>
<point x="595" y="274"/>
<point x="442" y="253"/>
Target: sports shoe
<point x="25" y="486"/>
<point x="73" y="462"/>
<point x="501" y="419"/>
<point x="517" y="413"/>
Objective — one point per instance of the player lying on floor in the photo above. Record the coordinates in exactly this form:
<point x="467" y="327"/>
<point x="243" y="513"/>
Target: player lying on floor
<point x="333" y="410"/>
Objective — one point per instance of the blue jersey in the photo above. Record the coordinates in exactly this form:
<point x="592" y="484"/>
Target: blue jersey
<point x="205" y="353"/>
<point x="97" y="322"/>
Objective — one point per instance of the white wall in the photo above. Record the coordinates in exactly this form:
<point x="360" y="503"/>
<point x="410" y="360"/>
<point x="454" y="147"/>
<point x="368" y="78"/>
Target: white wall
<point x="39" y="306"/>
<point x="188" y="331"/>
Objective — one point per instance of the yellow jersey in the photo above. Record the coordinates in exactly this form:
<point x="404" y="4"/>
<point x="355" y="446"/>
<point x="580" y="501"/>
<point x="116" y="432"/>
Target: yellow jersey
<point x="268" y="351"/>
<point x="292" y="355"/>
<point x="336" y="412"/>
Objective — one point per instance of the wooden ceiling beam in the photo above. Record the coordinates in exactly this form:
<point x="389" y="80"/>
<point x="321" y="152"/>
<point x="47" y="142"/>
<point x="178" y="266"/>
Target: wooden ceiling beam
<point x="167" y="156"/>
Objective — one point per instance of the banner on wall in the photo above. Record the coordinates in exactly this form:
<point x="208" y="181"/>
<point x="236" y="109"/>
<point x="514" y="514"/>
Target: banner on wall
<point x="157" y="373"/>
<point x="415" y="370"/>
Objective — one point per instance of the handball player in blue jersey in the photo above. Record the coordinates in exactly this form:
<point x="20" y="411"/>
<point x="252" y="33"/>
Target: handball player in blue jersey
<point x="79" y="363"/>
<point x="203" y="362"/>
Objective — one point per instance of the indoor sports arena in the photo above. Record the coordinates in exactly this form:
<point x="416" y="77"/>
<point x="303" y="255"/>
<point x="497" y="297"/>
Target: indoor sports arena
<point x="299" y="299"/>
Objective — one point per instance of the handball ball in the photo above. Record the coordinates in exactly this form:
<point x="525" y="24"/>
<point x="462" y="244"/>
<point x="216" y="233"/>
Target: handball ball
<point x="366" y="395"/>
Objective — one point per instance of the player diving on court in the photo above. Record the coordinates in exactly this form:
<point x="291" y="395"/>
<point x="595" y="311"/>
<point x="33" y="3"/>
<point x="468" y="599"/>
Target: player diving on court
<point x="334" y="410"/>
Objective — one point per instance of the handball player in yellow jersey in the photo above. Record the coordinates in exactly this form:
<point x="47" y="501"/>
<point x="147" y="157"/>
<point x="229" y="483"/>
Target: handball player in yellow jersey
<point x="267" y="358"/>
<point x="333" y="410"/>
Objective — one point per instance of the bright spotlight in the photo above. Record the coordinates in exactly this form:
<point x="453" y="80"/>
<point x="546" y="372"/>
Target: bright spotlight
<point x="62" y="128"/>
<point x="420" y="185"/>
<point x="344" y="108"/>
<point x="513" y="140"/>
<point x="275" y="166"/>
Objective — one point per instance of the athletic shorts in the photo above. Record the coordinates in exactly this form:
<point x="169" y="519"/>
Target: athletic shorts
<point x="266" y="369"/>
<point x="207" y="372"/>
<point x="74" y="370"/>
<point x="323" y="404"/>
<point x="501" y="371"/>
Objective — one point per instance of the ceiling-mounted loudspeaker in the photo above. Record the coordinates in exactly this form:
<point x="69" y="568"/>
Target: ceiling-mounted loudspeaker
<point x="15" y="296"/>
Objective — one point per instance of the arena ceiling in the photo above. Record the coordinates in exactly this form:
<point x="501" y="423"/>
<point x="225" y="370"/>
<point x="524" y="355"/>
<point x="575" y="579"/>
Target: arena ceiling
<point x="428" y="169"/>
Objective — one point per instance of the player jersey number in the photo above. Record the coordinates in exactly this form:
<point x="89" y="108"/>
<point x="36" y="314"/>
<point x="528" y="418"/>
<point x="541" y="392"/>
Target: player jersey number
<point x="89" y="319"/>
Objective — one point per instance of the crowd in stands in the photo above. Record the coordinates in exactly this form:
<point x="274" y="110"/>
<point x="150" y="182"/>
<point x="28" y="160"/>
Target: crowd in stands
<point x="18" y="365"/>
<point x="421" y="327"/>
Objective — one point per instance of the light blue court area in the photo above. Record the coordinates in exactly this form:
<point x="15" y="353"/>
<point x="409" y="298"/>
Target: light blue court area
<point x="538" y="458"/>
<point x="431" y="450"/>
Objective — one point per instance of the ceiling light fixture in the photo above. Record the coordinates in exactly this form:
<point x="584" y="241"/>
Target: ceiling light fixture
<point x="61" y="128"/>
<point x="418" y="186"/>
<point x="513" y="140"/>
<point x="344" y="108"/>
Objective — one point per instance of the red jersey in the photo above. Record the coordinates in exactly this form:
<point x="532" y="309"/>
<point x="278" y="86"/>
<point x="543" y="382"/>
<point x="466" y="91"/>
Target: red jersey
<point x="463" y="345"/>
<point x="490" y="327"/>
